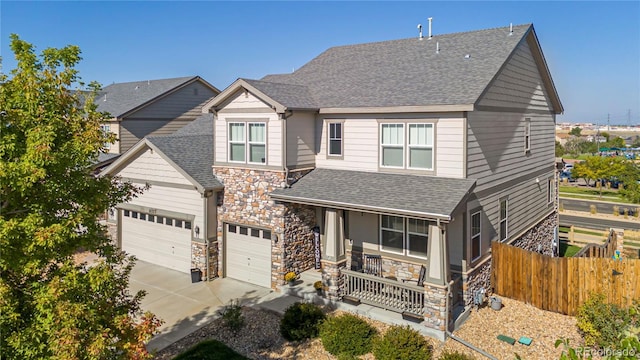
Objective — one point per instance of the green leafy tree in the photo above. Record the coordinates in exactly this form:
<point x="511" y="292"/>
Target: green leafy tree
<point x="599" y="167"/>
<point x="576" y="131"/>
<point x="577" y="146"/>
<point x="630" y="177"/>
<point x="559" y="149"/>
<point x="50" y="306"/>
<point x="605" y="135"/>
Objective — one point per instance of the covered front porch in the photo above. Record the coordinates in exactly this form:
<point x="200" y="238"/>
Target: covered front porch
<point x="382" y="239"/>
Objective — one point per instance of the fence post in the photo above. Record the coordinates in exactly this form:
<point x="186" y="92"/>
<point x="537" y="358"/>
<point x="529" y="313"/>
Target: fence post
<point x="571" y="234"/>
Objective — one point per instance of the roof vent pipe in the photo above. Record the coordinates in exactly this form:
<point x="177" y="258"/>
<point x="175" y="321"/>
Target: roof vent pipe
<point x="437" y="47"/>
<point x="430" y="20"/>
<point x="420" y="30"/>
<point x="510" y="29"/>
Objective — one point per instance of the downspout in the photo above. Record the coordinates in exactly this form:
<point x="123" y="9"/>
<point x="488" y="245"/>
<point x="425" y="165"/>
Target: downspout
<point x="446" y="309"/>
<point x="283" y="117"/>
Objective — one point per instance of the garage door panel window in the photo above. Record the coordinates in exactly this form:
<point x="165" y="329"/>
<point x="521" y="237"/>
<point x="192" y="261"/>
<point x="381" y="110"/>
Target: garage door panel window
<point x="151" y="218"/>
<point x="159" y="219"/>
<point x="134" y="214"/>
<point x="142" y="216"/>
<point x="187" y="225"/>
<point x="232" y="229"/>
<point x="168" y="221"/>
<point x="266" y="234"/>
<point x="255" y="232"/>
<point x="244" y="230"/>
<point x="127" y="213"/>
<point x="177" y="223"/>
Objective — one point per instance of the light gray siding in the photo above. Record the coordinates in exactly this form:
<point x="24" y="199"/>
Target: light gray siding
<point x="133" y="130"/>
<point x="165" y="115"/>
<point x="360" y="145"/>
<point x="496" y="155"/>
<point x="185" y="103"/>
<point x="518" y="85"/>
<point x="245" y="107"/>
<point x="152" y="167"/>
<point x="301" y="140"/>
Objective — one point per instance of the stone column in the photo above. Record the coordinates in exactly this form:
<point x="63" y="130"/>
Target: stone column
<point x="332" y="278"/>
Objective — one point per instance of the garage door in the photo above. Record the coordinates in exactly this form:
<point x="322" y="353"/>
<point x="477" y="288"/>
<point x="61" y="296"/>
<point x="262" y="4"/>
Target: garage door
<point x="159" y="240"/>
<point x="248" y="254"/>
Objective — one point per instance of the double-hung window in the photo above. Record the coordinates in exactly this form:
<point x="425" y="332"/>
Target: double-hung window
<point x="407" y="146"/>
<point x="404" y="236"/>
<point x="475" y="235"/>
<point x="335" y="139"/>
<point x="106" y="129"/>
<point x="392" y="145"/>
<point x="247" y="142"/>
<point x="504" y="219"/>
<point x="420" y="146"/>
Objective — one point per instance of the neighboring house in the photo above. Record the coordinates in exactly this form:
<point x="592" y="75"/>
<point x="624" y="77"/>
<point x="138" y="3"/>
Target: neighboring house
<point x="172" y="221"/>
<point x="154" y="107"/>
<point x="562" y="138"/>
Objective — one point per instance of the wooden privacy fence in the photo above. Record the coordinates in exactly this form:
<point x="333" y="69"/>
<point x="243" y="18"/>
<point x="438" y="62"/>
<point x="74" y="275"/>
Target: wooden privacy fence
<point x="605" y="250"/>
<point x="561" y="284"/>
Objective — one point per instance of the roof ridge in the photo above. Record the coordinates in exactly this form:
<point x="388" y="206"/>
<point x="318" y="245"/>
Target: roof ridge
<point x="277" y="83"/>
<point x="144" y="81"/>
<point x="412" y="38"/>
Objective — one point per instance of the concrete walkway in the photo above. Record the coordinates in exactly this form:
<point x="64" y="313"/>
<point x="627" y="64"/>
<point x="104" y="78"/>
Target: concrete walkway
<point x="185" y="306"/>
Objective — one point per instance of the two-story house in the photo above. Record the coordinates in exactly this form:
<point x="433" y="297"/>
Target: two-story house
<point x="412" y="154"/>
<point x="151" y="107"/>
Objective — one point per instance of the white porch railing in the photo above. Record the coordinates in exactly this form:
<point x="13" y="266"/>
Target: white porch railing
<point x="384" y="293"/>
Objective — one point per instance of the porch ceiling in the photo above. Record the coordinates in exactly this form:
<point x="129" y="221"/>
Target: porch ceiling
<point x="408" y="195"/>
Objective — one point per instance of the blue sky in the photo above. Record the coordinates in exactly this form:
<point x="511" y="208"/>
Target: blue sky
<point x="592" y="48"/>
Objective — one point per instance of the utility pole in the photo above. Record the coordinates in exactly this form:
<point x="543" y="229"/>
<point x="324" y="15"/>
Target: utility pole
<point x="629" y="118"/>
<point x="608" y="123"/>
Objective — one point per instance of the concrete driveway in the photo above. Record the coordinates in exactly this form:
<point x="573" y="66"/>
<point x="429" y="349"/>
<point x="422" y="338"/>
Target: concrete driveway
<point x="186" y="306"/>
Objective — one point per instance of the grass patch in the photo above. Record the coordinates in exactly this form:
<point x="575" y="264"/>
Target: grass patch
<point x="567" y="250"/>
<point x="564" y="229"/>
<point x="631" y="243"/>
<point x="210" y="350"/>
<point x="564" y="189"/>
<point x="587" y="232"/>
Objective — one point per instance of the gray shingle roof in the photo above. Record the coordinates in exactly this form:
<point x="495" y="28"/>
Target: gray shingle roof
<point x="405" y="72"/>
<point x="202" y="125"/>
<point x="120" y="98"/>
<point x="292" y="96"/>
<point x="391" y="193"/>
<point x="192" y="153"/>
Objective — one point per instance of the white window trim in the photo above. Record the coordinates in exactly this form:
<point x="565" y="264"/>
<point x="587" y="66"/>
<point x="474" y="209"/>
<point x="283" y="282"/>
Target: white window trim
<point x="505" y="220"/>
<point x="551" y="191"/>
<point x="527" y="134"/>
<point x="405" y="237"/>
<point x="106" y="128"/>
<point x="329" y="138"/>
<point x="409" y="146"/>
<point x="249" y="143"/>
<point x="402" y="146"/>
<point x="230" y="142"/>
<point x="479" y="235"/>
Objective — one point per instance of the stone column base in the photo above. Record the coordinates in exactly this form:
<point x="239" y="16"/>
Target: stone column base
<point x="332" y="278"/>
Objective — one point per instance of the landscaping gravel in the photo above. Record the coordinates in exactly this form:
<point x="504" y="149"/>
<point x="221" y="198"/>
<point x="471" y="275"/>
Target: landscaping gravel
<point x="261" y="339"/>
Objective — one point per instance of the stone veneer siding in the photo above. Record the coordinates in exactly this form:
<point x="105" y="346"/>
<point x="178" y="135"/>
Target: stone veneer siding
<point x="539" y="239"/>
<point x="299" y="252"/>
<point x="198" y="259"/>
<point x="246" y="201"/>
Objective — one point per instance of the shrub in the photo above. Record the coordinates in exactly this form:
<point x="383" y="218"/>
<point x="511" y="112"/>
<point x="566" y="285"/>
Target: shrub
<point x="210" y="350"/>
<point x="317" y="285"/>
<point x="301" y="321"/>
<point x="232" y="317"/>
<point x="347" y="335"/>
<point x="602" y="324"/>
<point x="448" y="355"/>
<point x="401" y="343"/>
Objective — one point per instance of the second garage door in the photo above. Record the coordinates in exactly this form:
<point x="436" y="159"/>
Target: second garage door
<point x="248" y="254"/>
<point x="159" y="240"/>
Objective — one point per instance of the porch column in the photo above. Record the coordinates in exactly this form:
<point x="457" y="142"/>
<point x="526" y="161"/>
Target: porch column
<point x="436" y="256"/>
<point x="334" y="235"/>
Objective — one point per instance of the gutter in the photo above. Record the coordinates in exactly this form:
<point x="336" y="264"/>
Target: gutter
<point x="283" y="117"/>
